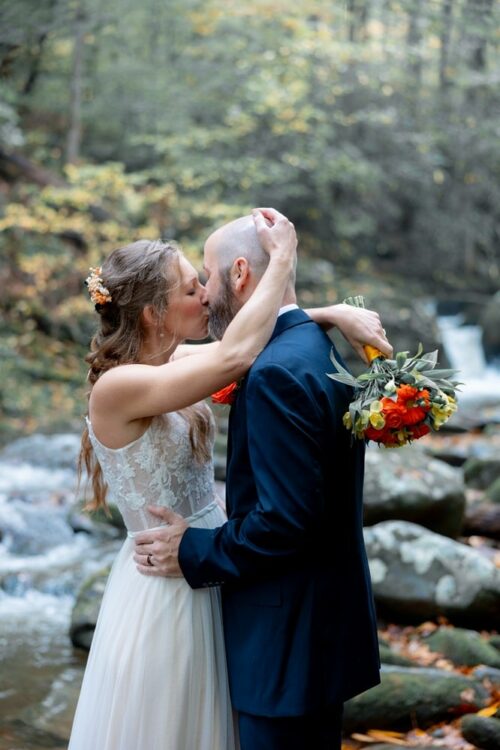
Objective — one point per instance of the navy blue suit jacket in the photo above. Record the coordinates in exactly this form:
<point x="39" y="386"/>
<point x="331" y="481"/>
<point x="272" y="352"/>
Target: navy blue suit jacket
<point x="299" y="617"/>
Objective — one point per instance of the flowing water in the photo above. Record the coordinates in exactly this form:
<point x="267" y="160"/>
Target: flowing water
<point x="481" y="381"/>
<point x="44" y="560"/>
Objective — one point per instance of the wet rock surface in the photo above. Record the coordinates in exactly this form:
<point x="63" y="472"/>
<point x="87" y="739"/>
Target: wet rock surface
<point x="418" y="574"/>
<point x="406" y="484"/>
<point x="463" y="647"/>
<point x="86" y="609"/>
<point x="408" y="695"/>
<point x="482" y="732"/>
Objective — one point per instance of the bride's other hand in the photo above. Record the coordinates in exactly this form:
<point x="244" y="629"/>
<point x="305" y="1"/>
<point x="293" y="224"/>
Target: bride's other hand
<point x="357" y="325"/>
<point x="157" y="551"/>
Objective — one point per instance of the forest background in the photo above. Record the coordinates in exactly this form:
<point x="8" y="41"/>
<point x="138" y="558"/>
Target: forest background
<point x="373" y="124"/>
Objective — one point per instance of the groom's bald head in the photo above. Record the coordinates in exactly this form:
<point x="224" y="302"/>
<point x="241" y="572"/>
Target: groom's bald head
<point x="238" y="239"/>
<point x="234" y="262"/>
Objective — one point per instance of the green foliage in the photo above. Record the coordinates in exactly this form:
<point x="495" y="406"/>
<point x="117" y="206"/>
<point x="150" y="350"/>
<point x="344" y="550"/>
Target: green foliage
<point x="372" y="124"/>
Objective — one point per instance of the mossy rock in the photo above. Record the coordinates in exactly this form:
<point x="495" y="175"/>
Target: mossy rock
<point x="481" y="731"/>
<point x="86" y="609"/>
<point x="409" y="696"/>
<point x="388" y="656"/>
<point x="494" y="641"/>
<point x="493" y="492"/>
<point x="463" y="647"/>
<point x="490" y="323"/>
<point x="112" y="517"/>
<point x="479" y="473"/>
<point x="492" y="674"/>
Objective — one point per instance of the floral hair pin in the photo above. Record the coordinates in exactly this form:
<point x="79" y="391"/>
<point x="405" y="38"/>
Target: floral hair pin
<point x="99" y="294"/>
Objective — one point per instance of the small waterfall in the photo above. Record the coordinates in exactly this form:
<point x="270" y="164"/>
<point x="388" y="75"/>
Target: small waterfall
<point x="463" y="346"/>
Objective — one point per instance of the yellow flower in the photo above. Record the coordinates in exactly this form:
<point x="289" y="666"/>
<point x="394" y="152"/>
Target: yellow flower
<point x="347" y="421"/>
<point x="361" y="423"/>
<point x="377" y="421"/>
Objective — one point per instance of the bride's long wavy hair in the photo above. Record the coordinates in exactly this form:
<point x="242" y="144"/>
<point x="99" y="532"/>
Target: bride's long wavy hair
<point x="142" y="273"/>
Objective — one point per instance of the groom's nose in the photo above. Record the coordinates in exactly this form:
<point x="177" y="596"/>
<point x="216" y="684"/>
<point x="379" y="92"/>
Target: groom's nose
<point x="203" y="295"/>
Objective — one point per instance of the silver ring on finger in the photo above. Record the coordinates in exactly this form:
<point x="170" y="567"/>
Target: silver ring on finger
<point x="150" y="557"/>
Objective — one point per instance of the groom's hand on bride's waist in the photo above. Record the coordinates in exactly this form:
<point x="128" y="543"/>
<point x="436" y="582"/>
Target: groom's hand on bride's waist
<point x="157" y="551"/>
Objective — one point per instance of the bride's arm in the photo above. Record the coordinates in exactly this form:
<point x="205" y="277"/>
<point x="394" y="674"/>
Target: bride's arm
<point x="138" y="391"/>
<point x="357" y="325"/>
<point x="185" y="350"/>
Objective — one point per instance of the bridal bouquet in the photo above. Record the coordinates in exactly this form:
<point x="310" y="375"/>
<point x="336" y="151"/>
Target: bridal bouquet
<point x="397" y="400"/>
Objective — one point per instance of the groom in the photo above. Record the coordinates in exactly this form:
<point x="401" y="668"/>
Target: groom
<point x="299" y="618"/>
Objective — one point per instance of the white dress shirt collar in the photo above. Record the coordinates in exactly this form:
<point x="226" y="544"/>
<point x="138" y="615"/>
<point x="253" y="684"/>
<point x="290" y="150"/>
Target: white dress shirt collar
<point x="286" y="308"/>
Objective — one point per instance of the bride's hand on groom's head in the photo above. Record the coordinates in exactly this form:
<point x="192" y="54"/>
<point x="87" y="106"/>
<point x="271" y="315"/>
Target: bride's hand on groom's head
<point x="276" y="233"/>
<point x="156" y="550"/>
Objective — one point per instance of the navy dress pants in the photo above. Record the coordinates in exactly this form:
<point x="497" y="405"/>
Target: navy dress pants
<point x="318" y="731"/>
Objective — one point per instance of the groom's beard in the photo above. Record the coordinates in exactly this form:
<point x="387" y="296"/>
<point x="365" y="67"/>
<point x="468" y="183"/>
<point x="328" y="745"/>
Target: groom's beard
<point x="222" y="310"/>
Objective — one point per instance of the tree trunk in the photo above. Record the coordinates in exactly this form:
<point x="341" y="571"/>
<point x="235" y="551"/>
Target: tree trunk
<point x="34" y="65"/>
<point x="75" y="110"/>
<point x="413" y="41"/>
<point x="445" y="35"/>
<point x="358" y="11"/>
<point x="477" y="15"/>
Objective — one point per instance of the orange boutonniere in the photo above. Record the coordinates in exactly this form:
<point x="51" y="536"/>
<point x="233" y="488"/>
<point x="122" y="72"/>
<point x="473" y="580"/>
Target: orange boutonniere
<point x="226" y="395"/>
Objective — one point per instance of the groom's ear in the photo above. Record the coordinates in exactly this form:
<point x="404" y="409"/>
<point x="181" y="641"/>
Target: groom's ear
<point x="240" y="275"/>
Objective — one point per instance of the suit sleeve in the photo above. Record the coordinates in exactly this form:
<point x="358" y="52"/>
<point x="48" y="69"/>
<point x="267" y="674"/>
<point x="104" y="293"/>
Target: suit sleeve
<point x="284" y="448"/>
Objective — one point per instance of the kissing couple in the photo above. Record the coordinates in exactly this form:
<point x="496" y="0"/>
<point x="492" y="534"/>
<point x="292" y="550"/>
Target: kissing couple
<point x="221" y="632"/>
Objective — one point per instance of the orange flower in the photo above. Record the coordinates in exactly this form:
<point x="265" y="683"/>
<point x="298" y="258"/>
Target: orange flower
<point x="384" y="436"/>
<point x="225" y="395"/>
<point x="416" y="403"/>
<point x="406" y="393"/>
<point x="393" y="413"/>
<point x="419" y="430"/>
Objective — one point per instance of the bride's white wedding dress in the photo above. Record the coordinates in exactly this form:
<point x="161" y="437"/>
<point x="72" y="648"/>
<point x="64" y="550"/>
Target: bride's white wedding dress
<point x="156" y="674"/>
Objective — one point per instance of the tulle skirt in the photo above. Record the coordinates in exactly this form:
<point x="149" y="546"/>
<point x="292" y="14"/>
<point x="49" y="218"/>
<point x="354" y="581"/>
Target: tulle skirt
<point x="156" y="675"/>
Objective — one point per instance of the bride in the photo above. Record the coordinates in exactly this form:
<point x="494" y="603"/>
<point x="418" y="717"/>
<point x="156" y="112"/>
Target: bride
<point x="156" y="674"/>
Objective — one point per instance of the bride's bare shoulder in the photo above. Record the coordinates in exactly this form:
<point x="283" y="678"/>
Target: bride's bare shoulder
<point x="117" y="378"/>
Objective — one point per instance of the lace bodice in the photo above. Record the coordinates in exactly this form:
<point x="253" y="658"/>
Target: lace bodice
<point x="159" y="469"/>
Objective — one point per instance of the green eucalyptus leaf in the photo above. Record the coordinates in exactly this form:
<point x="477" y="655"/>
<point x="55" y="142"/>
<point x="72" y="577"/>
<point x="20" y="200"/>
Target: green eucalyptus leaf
<point x="401" y="359"/>
<point x="341" y="378"/>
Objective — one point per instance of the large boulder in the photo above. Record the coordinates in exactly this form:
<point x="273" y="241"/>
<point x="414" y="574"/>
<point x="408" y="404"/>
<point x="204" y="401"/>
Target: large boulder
<point x="458" y="449"/>
<point x="418" y="574"/>
<point x="489" y="674"/>
<point x="483" y="519"/>
<point x="480" y="473"/>
<point x="463" y="647"/>
<point x="490" y="323"/>
<point x="493" y="492"/>
<point x="390" y="656"/>
<point x="413" y="695"/>
<point x="406" y="484"/>
<point x="481" y="731"/>
<point x="86" y="609"/>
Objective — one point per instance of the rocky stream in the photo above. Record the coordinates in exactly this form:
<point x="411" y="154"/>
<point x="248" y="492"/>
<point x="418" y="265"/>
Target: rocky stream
<point x="432" y="514"/>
